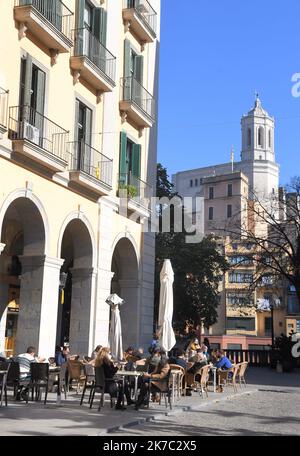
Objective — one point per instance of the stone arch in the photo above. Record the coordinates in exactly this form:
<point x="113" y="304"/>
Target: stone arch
<point x="24" y="234"/>
<point x="74" y="317"/>
<point x="77" y="215"/>
<point x="30" y="196"/>
<point x="125" y="282"/>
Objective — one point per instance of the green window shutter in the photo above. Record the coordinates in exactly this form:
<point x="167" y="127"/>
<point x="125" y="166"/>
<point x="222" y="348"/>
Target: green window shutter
<point x="127" y="49"/>
<point x="136" y="160"/>
<point x="127" y="74"/>
<point x="40" y="91"/>
<point x="76" y="120"/>
<point x="28" y="81"/>
<point x="139" y="68"/>
<point x="79" y="37"/>
<point x="100" y="25"/>
<point x="58" y="14"/>
<point x="123" y="158"/>
<point x="88" y="126"/>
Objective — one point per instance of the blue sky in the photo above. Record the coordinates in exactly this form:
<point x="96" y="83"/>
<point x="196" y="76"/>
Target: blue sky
<point x="214" y="56"/>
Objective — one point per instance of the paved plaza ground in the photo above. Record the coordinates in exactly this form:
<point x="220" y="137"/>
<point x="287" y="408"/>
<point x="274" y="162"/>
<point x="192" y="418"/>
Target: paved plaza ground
<point x="269" y="406"/>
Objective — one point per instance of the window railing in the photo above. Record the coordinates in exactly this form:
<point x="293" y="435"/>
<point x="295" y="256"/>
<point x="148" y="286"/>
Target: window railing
<point x="134" y="92"/>
<point x="134" y="188"/>
<point x="86" y="44"/>
<point x="27" y="124"/>
<point x="145" y="12"/>
<point x="55" y="11"/>
<point x="3" y="107"/>
<point x="90" y="161"/>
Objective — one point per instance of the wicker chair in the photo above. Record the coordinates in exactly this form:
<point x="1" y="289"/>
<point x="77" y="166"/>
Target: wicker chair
<point x="75" y="373"/>
<point x="241" y="374"/>
<point x="180" y="380"/>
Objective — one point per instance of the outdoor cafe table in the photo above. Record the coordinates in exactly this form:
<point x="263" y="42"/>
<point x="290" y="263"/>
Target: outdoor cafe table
<point x="131" y="374"/>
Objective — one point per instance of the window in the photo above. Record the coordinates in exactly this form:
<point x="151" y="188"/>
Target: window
<point x="211" y="213"/>
<point x="234" y="346"/>
<point x="259" y="347"/>
<point x="130" y="160"/>
<point x="211" y="193"/>
<point x="270" y="139"/>
<point x="241" y="300"/>
<point x="191" y="183"/>
<point x="268" y="326"/>
<point x="260" y="136"/>
<point x="293" y="304"/>
<point x="242" y="323"/>
<point x="240" y="260"/>
<point x="249" y="137"/>
<point x="229" y="211"/>
<point x="237" y="277"/>
<point x="32" y="85"/>
<point x="196" y="182"/>
<point x="229" y="190"/>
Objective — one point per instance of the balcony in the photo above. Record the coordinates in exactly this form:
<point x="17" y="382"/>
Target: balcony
<point x="135" y="193"/>
<point x="37" y="141"/>
<point x="3" y="110"/>
<point x="141" y="19"/>
<point x="137" y="104"/>
<point x="90" y="170"/>
<point x="48" y="21"/>
<point x="92" y="62"/>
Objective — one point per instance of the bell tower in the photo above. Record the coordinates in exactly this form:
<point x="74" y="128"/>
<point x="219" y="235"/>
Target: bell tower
<point x="258" y="150"/>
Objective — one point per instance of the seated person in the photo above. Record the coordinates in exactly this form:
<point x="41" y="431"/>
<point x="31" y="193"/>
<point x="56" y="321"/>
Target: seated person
<point x="24" y="360"/>
<point x="112" y="385"/>
<point x="194" y="344"/>
<point x="200" y="360"/>
<point x="223" y="365"/>
<point x="154" y="382"/>
<point x="62" y="356"/>
<point x="153" y="360"/>
<point x="179" y="359"/>
<point x="95" y="352"/>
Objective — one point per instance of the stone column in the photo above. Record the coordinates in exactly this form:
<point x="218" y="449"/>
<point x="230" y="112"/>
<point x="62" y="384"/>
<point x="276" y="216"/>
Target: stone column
<point x="38" y="304"/>
<point x="82" y="306"/>
<point x="130" y="312"/>
<point x="107" y="209"/>
<point x="101" y="320"/>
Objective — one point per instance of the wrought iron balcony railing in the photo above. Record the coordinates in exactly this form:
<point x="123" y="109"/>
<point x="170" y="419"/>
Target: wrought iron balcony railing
<point x="87" y="45"/>
<point x="3" y="108"/>
<point x="55" y="11"/>
<point x="134" y="92"/>
<point x="135" y="188"/>
<point x="29" y="125"/>
<point x="90" y="161"/>
<point x="145" y="12"/>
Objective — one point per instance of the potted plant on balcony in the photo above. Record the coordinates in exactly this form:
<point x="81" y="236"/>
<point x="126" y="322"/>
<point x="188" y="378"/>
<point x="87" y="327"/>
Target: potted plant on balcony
<point x="130" y="189"/>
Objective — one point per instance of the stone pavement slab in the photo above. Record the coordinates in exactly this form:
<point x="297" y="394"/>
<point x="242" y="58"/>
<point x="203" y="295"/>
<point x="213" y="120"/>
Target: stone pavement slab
<point x="72" y="419"/>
